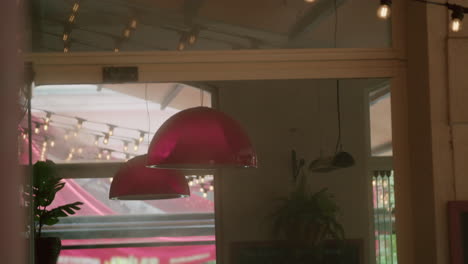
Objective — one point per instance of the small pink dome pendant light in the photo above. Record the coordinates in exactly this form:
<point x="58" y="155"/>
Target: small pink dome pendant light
<point x="134" y="181"/>
<point x="201" y="138"/>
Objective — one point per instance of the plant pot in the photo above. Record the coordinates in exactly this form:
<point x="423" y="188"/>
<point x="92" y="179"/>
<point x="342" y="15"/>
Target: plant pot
<point x="47" y="250"/>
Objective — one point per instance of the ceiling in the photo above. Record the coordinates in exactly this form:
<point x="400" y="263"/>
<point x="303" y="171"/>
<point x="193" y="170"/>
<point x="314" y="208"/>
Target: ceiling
<point x="219" y="24"/>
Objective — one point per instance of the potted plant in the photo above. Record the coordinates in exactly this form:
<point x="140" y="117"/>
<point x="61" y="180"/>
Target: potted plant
<point x="46" y="184"/>
<point x="305" y="217"/>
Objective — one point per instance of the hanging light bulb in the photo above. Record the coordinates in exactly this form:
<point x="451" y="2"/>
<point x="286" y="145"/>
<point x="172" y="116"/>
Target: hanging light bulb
<point x="384" y="9"/>
<point x="37" y="128"/>
<point x="205" y="195"/>
<point x="72" y="17"/>
<point x="202" y="179"/>
<point x="106" y="139"/>
<point x="66" y="35"/>
<point x="202" y="190"/>
<point x="190" y="183"/>
<point x="111" y="130"/>
<point x="193" y="36"/>
<point x="44" y="144"/>
<point x="136" y="145"/>
<point x="182" y="42"/>
<point x="457" y="16"/>
<point x="99" y="155"/>
<point x="142" y="136"/>
<point x="25" y="135"/>
<point x="96" y="140"/>
<point x="79" y="123"/>
<point x="126" y="33"/>
<point x="52" y="143"/>
<point x="80" y="150"/>
<point x="46" y="126"/>
<point x="75" y="8"/>
<point x="133" y="24"/>
<point x="125" y="147"/>
<point x="48" y="116"/>
<point x="211" y="187"/>
<point x="108" y="156"/>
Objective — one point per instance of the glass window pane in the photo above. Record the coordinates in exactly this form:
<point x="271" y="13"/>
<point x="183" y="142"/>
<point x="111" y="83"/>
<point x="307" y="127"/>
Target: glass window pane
<point x="381" y="121"/>
<point x="115" y="25"/>
<point x="99" y="123"/>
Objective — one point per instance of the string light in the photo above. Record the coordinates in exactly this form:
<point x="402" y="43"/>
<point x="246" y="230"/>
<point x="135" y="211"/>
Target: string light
<point x="193" y="36"/>
<point x="52" y="143"/>
<point x="37" y="128"/>
<point x="205" y="195"/>
<point x="72" y="17"/>
<point x="126" y="33"/>
<point x="108" y="156"/>
<point x="75" y="8"/>
<point x="99" y="155"/>
<point x="79" y="123"/>
<point x="106" y="139"/>
<point x="46" y="126"/>
<point x="202" y="179"/>
<point x="142" y="136"/>
<point x="133" y="24"/>
<point x="111" y="130"/>
<point x="48" y="117"/>
<point x="202" y="190"/>
<point x="25" y="135"/>
<point x="457" y="17"/>
<point x="125" y="147"/>
<point x="182" y="42"/>
<point x="96" y="140"/>
<point x="211" y="187"/>
<point x="136" y="145"/>
<point x="384" y="9"/>
<point x="80" y="150"/>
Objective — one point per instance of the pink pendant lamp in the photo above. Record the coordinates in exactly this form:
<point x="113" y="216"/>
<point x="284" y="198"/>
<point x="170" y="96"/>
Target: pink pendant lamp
<point x="134" y="181"/>
<point x="201" y="138"/>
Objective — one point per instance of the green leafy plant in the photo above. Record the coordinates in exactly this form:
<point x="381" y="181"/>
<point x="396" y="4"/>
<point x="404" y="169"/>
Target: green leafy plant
<point x="304" y="216"/>
<point x="45" y="187"/>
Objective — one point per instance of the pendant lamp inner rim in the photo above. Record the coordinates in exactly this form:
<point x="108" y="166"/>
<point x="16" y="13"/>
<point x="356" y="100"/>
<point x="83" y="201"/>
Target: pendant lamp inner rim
<point x="199" y="166"/>
<point x="148" y="196"/>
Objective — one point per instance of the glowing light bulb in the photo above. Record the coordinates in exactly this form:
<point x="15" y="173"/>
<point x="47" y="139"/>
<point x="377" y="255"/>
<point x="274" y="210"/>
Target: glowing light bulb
<point x="99" y="155"/>
<point x="211" y="187"/>
<point x="36" y="130"/>
<point x="65" y="49"/>
<point x="116" y="49"/>
<point x="80" y="150"/>
<point x="111" y="131"/>
<point x="205" y="195"/>
<point x="133" y="24"/>
<point x="202" y="179"/>
<point x="44" y="144"/>
<point x="105" y="140"/>
<point x="71" y="19"/>
<point x="135" y="147"/>
<point x="70" y="156"/>
<point x="108" y="156"/>
<point x="79" y="125"/>
<point x="181" y="46"/>
<point x="142" y="136"/>
<point x="456" y="24"/>
<point x="25" y="135"/>
<point x="96" y="140"/>
<point x="65" y="136"/>
<point x="125" y="147"/>
<point x="48" y="116"/>
<point x="383" y="11"/>
<point x="190" y="183"/>
<point x="126" y="33"/>
<point x="46" y="127"/>
<point x="65" y="36"/>
<point x="52" y="143"/>
<point x="111" y="179"/>
<point x="196" y="181"/>
<point x="192" y="39"/>
<point x="202" y="190"/>
<point x="76" y="6"/>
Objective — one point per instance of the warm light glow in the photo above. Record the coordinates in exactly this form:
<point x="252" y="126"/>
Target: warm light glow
<point x="96" y="140"/>
<point x="71" y="19"/>
<point x="52" y="143"/>
<point x="79" y="125"/>
<point x="181" y="46"/>
<point x="192" y="39"/>
<point x="108" y="156"/>
<point x="142" y="136"/>
<point x="456" y="24"/>
<point x="211" y="187"/>
<point x="202" y="179"/>
<point x="44" y="144"/>
<point x="135" y="147"/>
<point x="25" y="135"/>
<point x="72" y="150"/>
<point x="76" y="6"/>
<point x="125" y="148"/>
<point x="383" y="11"/>
<point x="75" y="133"/>
<point x="65" y="136"/>
<point x="205" y="195"/>
<point x="190" y="183"/>
<point x="65" y="50"/>
<point x="65" y="36"/>
<point x="202" y="190"/>
<point x="80" y="150"/>
<point x="126" y="33"/>
<point x="36" y="130"/>
<point x="46" y="127"/>
<point x="105" y="140"/>
<point x="309" y="1"/>
<point x="99" y="155"/>
<point x="48" y="116"/>
<point x="111" y="131"/>
<point x="133" y="24"/>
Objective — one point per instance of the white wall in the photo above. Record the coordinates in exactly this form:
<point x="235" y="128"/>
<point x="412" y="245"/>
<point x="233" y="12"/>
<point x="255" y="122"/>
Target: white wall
<point x="270" y="112"/>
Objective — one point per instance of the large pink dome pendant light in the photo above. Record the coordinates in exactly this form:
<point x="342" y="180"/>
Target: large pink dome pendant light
<point x="201" y="138"/>
<point x="134" y="181"/>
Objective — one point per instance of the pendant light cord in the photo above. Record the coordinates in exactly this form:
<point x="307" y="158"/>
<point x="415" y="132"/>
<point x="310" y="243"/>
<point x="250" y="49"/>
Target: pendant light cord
<point x="147" y="113"/>
<point x="338" y="105"/>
